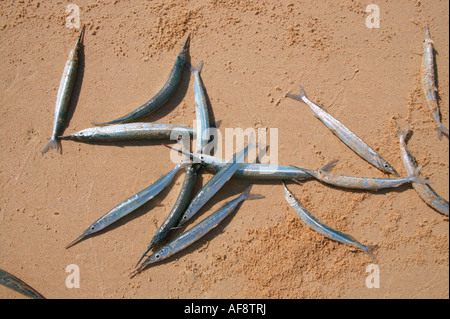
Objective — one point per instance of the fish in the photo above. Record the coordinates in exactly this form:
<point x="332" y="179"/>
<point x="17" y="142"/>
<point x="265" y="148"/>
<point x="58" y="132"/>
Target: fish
<point x="64" y="93"/>
<point x="201" y="109"/>
<point x="216" y="182"/>
<point x="16" y="284"/>
<point x="323" y="229"/>
<point x="182" y="202"/>
<point x="260" y="171"/>
<point x="161" y="97"/>
<point x="129" y="131"/>
<point x="425" y="191"/>
<point x="198" y="231"/>
<point x="345" y="135"/>
<point x="366" y="183"/>
<point x="131" y="204"/>
<point x="428" y="79"/>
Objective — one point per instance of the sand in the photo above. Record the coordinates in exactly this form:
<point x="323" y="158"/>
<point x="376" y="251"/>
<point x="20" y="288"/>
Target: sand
<point x="253" y="53"/>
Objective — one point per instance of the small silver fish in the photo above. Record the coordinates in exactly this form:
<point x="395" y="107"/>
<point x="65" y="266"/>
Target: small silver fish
<point x="345" y="135"/>
<point x="425" y="191"/>
<point x="428" y="79"/>
<point x="323" y="229"/>
<point x="196" y="232"/>
<point x="367" y="183"/>
<point x="129" y="131"/>
<point x="201" y="109"/>
<point x="64" y="92"/>
<point x="131" y="204"/>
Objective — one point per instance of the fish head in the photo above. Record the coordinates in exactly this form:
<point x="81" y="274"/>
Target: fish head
<point x="288" y="195"/>
<point x="159" y="255"/>
<point x="388" y="168"/>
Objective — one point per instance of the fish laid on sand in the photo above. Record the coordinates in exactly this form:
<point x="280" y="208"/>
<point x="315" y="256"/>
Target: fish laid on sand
<point x="426" y="192"/>
<point x="130" y="132"/>
<point x="366" y="183"/>
<point x="131" y="204"/>
<point x="16" y="284"/>
<point x="428" y="79"/>
<point x="196" y="232"/>
<point x="247" y="170"/>
<point x="345" y="135"/>
<point x="323" y="229"/>
<point x="162" y="96"/>
<point x="64" y="93"/>
<point x="178" y="209"/>
<point x="201" y="110"/>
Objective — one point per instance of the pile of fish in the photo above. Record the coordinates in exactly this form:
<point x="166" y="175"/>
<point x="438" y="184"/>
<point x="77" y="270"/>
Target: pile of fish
<point x="188" y="204"/>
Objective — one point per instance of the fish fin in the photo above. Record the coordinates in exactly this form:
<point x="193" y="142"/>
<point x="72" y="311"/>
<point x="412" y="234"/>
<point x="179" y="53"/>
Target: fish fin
<point x="197" y="69"/>
<point x="52" y="143"/>
<point x="329" y="166"/>
<point x="419" y="179"/>
<point x="216" y="124"/>
<point x="249" y="196"/>
<point x="369" y="250"/>
<point x="299" y="97"/>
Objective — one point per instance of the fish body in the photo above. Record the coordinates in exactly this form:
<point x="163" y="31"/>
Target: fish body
<point x="428" y="79"/>
<point x="131" y="204"/>
<point x="16" y="284"/>
<point x="162" y="96"/>
<point x="321" y="228"/>
<point x="366" y="183"/>
<point x="201" y="109"/>
<point x="248" y="170"/>
<point x="345" y="135"/>
<point x="64" y="93"/>
<point x="182" y="202"/>
<point x="425" y="191"/>
<point x="215" y="183"/>
<point x="129" y="131"/>
<point x="198" y="231"/>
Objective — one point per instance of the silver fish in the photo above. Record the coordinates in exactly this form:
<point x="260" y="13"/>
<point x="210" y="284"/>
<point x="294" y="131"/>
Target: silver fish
<point x="201" y="109"/>
<point x="129" y="131"/>
<point x="197" y="232"/>
<point x="367" y="183"/>
<point x="345" y="135"/>
<point x="426" y="192"/>
<point x="64" y="92"/>
<point x="131" y="204"/>
<point x="323" y="229"/>
<point x="248" y="170"/>
<point x="428" y="79"/>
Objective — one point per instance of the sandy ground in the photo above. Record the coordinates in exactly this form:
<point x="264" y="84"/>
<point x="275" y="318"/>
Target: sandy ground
<point x="254" y="53"/>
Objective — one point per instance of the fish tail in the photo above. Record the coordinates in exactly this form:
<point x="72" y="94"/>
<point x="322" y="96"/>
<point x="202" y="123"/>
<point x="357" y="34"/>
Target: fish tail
<point x="247" y="194"/>
<point x="329" y="166"/>
<point x="416" y="178"/>
<point x="403" y="133"/>
<point x="369" y="249"/>
<point x="197" y="69"/>
<point x="52" y="143"/>
<point x="299" y="97"/>
<point x="442" y="130"/>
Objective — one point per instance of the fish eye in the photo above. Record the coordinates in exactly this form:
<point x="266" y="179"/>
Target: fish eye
<point x="92" y="227"/>
<point x="157" y="256"/>
<point x="386" y="165"/>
